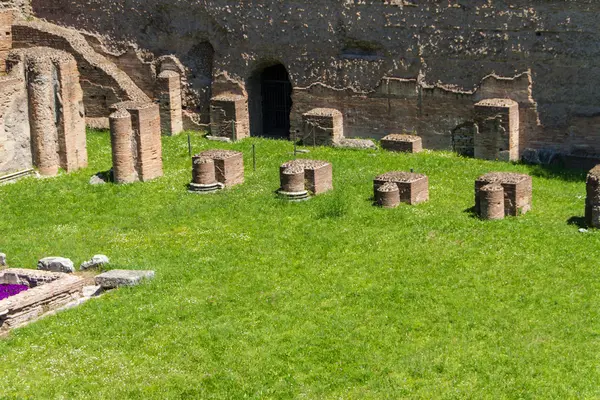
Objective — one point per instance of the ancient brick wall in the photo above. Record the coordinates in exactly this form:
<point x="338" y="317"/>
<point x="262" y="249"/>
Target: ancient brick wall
<point x="388" y="66"/>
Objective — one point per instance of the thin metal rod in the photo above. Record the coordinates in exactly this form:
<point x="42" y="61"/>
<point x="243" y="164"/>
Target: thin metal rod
<point x="189" y="145"/>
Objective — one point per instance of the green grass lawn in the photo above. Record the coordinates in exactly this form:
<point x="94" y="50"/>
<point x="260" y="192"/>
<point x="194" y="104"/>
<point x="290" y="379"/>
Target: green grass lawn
<point x="326" y="299"/>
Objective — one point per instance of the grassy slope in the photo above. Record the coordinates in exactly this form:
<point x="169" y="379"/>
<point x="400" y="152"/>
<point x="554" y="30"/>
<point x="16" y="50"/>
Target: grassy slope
<point x="331" y="298"/>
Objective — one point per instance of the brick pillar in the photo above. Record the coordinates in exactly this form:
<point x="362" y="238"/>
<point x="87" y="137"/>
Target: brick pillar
<point x="497" y="137"/>
<point x="146" y="128"/>
<point x="121" y="138"/>
<point x="41" y="77"/>
<point x="169" y="99"/>
<point x="71" y="124"/>
<point x="145" y="145"/>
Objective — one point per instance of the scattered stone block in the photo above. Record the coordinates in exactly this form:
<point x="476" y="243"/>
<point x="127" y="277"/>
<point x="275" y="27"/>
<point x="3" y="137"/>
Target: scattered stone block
<point x="97" y="179"/>
<point x="592" y="200"/>
<point x="218" y="139"/>
<point x="317" y="175"/>
<point x="359" y="144"/>
<point x="491" y="201"/>
<point x="56" y="264"/>
<point x="92" y="291"/>
<point x="97" y="261"/>
<point x="497" y="136"/>
<point x="120" y="277"/>
<point x="322" y="127"/>
<point x="2" y="260"/>
<point x="229" y="116"/>
<point x="517" y="191"/>
<point x="413" y="188"/>
<point x="402" y="143"/>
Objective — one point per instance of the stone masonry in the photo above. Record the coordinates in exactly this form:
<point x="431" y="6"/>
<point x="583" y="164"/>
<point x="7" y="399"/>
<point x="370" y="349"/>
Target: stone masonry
<point x="387" y="66"/>
<point x="517" y="191"/>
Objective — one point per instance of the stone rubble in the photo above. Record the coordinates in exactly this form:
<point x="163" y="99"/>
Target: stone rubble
<point x="56" y="264"/>
<point x="97" y="261"/>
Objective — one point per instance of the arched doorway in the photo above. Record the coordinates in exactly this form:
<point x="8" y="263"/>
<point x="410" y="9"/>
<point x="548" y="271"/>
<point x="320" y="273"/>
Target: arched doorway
<point x="270" y="97"/>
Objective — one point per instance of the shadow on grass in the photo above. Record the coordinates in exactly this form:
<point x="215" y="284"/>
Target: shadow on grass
<point x="577" y="221"/>
<point x="558" y="172"/>
<point x="472" y="212"/>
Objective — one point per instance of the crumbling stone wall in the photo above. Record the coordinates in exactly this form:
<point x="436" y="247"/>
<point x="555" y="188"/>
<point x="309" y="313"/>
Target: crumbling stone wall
<point x="388" y="66"/>
<point x="103" y="82"/>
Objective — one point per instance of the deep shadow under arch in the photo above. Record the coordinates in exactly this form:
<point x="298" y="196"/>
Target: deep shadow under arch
<point x="270" y="102"/>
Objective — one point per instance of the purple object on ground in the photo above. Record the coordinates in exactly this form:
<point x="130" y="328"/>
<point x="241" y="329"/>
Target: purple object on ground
<point x="11" y="290"/>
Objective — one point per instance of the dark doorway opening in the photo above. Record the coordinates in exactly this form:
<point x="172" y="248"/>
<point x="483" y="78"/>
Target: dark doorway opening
<point x="270" y="95"/>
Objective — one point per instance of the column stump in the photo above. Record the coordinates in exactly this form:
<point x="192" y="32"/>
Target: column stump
<point x="216" y="169"/>
<point x="301" y="178"/>
<point x="517" y="191"/>
<point x="413" y="188"/>
<point x="491" y="201"/>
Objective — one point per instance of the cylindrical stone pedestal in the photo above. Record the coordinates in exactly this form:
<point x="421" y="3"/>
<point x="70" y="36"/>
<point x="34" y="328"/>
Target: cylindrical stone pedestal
<point x="121" y="137"/>
<point x="41" y="77"/>
<point x="292" y="179"/>
<point x="491" y="202"/>
<point x="203" y="172"/>
<point x="293" y="185"/>
<point x="388" y="195"/>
